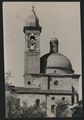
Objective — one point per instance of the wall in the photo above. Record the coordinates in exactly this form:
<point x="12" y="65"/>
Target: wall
<point x="36" y="81"/>
<point x="57" y="71"/>
<point x="76" y="84"/>
<point x="54" y="102"/>
<point x="64" y="83"/>
<point x="30" y="99"/>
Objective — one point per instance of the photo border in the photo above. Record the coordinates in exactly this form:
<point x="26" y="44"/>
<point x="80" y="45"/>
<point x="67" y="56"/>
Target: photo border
<point x="2" y="82"/>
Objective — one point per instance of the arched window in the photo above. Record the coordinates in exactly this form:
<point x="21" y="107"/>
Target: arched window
<point x="52" y="108"/>
<point x="37" y="102"/>
<point x="32" y="42"/>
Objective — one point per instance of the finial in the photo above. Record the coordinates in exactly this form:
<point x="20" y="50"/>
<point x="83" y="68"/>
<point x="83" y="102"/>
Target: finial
<point x="33" y="8"/>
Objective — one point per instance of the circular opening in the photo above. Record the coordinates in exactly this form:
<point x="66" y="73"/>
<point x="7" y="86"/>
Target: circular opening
<point x="53" y="98"/>
<point x="56" y="83"/>
<point x="29" y="82"/>
<point x="63" y="98"/>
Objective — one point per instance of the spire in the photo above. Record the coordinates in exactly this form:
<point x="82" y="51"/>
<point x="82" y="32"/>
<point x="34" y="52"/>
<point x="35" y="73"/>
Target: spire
<point x="32" y="19"/>
<point x="33" y="9"/>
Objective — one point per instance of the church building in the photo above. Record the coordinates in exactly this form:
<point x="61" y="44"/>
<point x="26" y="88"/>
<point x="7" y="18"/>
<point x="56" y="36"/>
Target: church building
<point x="48" y="79"/>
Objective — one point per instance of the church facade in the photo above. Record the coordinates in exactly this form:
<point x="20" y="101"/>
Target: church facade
<point x="49" y="79"/>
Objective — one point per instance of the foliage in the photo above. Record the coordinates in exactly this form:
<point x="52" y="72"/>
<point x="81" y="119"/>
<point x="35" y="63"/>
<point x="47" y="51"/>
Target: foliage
<point x="12" y="104"/>
<point x="61" y="109"/>
<point x="32" y="112"/>
<point x="16" y="111"/>
<point x="8" y="77"/>
<point x="77" y="110"/>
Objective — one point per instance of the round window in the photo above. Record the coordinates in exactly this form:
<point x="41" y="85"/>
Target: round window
<point x="53" y="98"/>
<point x="29" y="82"/>
<point x="56" y="83"/>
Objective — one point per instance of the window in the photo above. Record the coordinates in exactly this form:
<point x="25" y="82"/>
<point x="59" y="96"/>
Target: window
<point x="32" y="37"/>
<point x="56" y="83"/>
<point x="64" y="101"/>
<point x="52" y="108"/>
<point x="53" y="98"/>
<point x="32" y="43"/>
<point x="29" y="82"/>
<point x="63" y="98"/>
<point x="37" y="102"/>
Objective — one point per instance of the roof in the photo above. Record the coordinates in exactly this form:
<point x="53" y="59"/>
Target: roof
<point x="23" y="90"/>
<point x="55" y="75"/>
<point x="55" y="61"/>
<point x="32" y="19"/>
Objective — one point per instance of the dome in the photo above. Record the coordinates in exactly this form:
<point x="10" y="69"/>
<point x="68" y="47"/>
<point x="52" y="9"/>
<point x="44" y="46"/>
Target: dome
<point x="58" y="60"/>
<point x="32" y="19"/>
<point x="55" y="61"/>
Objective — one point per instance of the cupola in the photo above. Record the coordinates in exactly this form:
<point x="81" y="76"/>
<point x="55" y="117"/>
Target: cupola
<point x="32" y="19"/>
<point x="55" y="62"/>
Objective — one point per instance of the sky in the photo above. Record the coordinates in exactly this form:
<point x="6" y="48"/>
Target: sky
<point x="59" y="19"/>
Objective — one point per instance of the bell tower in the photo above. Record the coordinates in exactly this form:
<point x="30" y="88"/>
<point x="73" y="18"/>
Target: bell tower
<point x="32" y="32"/>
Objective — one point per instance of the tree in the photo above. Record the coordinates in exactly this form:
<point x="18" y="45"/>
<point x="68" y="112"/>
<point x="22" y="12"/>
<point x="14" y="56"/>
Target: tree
<point x="8" y="76"/>
<point x="16" y="111"/>
<point x="62" y="108"/>
<point x="12" y="105"/>
<point x="32" y="112"/>
<point x="77" y="110"/>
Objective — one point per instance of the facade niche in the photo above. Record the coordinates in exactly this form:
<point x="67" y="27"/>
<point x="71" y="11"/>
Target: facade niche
<point x="37" y="102"/>
<point x="52" y="108"/>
